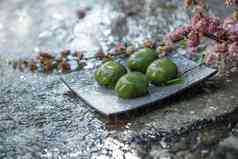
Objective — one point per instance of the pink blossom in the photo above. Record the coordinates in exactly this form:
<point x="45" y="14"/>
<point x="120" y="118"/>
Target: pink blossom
<point x="193" y="39"/>
<point x="229" y="22"/>
<point x="233" y="49"/>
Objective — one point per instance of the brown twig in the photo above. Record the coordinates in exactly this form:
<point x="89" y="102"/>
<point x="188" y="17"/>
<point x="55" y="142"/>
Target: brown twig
<point x="213" y="37"/>
<point x="208" y="35"/>
<point x="109" y="54"/>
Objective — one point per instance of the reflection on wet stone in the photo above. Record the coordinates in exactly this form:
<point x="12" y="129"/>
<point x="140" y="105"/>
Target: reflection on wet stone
<point x="38" y="120"/>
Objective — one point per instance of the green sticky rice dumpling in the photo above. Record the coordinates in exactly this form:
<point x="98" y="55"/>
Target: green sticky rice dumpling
<point x="109" y="73"/>
<point x="161" y="71"/>
<point x="132" y="85"/>
<point x="140" y="60"/>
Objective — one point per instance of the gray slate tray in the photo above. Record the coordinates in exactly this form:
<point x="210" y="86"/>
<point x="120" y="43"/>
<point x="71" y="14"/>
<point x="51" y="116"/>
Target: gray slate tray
<point x="106" y="102"/>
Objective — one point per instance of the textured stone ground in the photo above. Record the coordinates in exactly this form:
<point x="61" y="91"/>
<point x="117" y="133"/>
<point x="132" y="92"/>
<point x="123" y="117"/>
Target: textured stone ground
<point x="39" y="118"/>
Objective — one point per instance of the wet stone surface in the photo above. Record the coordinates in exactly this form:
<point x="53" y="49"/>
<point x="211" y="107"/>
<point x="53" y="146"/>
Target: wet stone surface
<point x="39" y="118"/>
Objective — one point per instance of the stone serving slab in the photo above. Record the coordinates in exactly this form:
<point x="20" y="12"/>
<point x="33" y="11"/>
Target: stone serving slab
<point x="106" y="101"/>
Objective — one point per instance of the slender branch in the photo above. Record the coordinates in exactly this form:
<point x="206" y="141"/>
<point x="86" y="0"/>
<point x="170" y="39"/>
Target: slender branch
<point x="110" y="54"/>
<point x="214" y="37"/>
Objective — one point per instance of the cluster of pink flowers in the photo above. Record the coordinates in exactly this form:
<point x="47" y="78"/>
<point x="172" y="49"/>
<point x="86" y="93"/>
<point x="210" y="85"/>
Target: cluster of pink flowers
<point x="202" y="3"/>
<point x="222" y="50"/>
<point x="198" y="27"/>
<point x="231" y="2"/>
